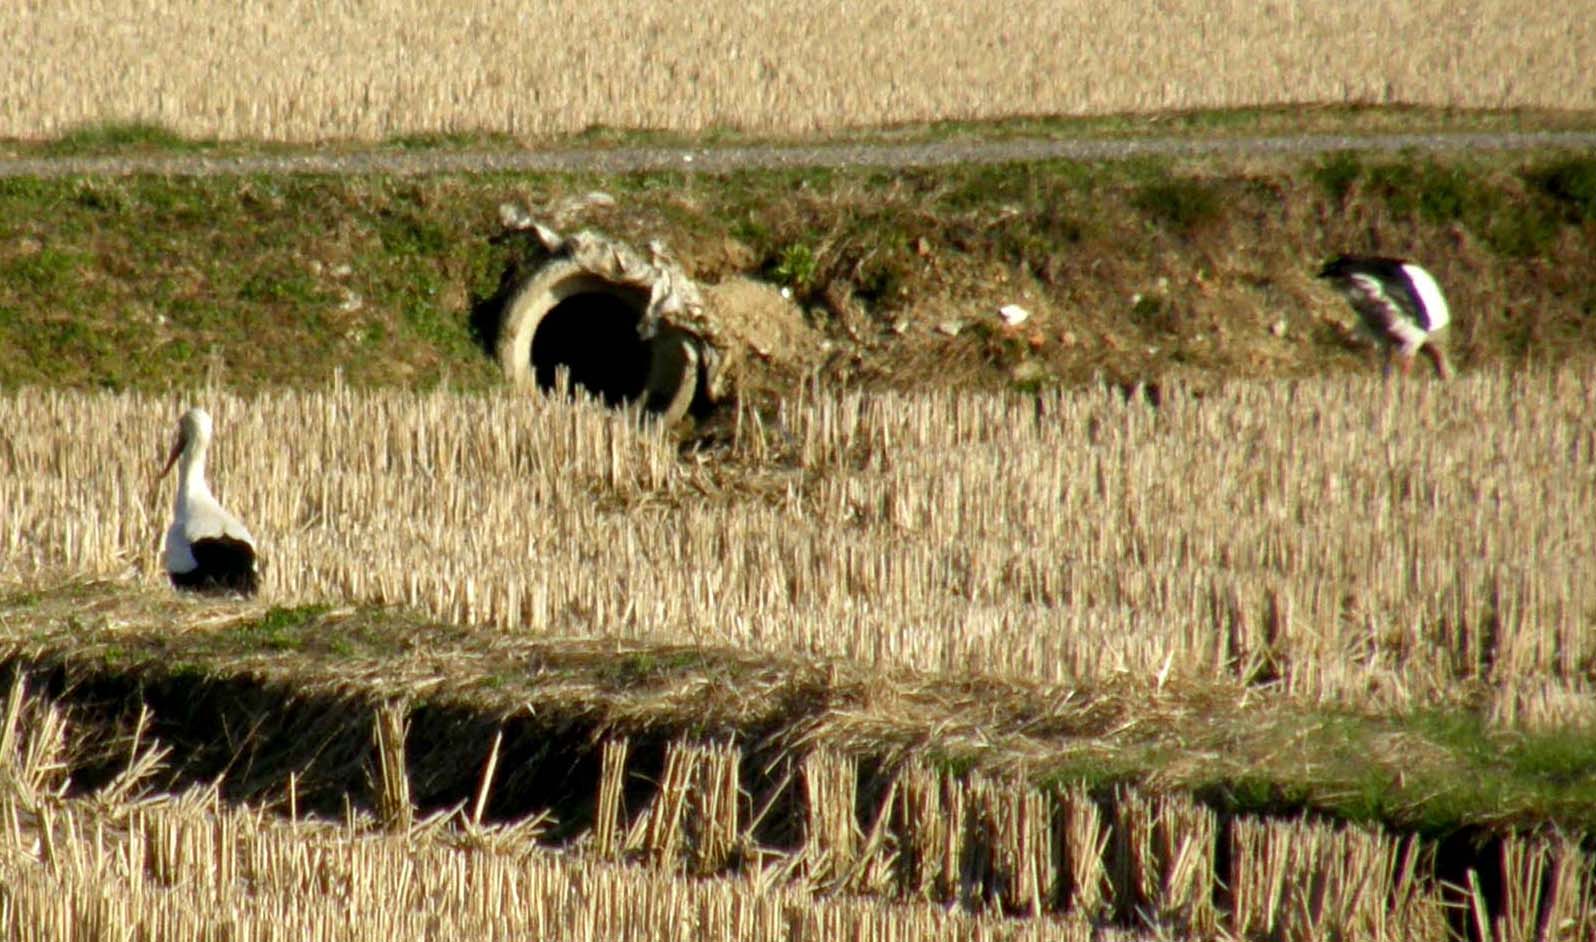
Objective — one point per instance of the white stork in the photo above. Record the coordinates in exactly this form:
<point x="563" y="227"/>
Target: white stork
<point x="207" y="549"/>
<point x="1397" y="302"/>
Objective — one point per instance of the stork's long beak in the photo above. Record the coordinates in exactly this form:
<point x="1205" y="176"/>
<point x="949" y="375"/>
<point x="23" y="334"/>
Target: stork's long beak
<point x="171" y="459"/>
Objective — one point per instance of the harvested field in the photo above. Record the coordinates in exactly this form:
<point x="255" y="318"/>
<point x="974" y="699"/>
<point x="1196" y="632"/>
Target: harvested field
<point x="1385" y="547"/>
<point x="1043" y="656"/>
<point x="416" y="67"/>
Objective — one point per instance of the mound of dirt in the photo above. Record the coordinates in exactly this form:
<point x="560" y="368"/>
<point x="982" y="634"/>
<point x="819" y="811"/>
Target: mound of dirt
<point x="768" y="339"/>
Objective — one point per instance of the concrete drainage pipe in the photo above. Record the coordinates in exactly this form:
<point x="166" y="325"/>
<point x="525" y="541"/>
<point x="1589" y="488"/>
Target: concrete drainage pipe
<point x="567" y="316"/>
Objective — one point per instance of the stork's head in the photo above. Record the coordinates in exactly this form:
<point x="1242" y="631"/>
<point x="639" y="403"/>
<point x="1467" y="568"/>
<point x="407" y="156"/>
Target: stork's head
<point x="1334" y="268"/>
<point x="193" y="431"/>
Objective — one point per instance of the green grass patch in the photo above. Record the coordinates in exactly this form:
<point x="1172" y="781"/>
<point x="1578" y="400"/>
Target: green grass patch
<point x="451" y="141"/>
<point x="648" y="668"/>
<point x="280" y="629"/>
<point x="120" y="138"/>
<point x="1560" y="759"/>
<point x="1184" y="204"/>
<point x="1572" y="183"/>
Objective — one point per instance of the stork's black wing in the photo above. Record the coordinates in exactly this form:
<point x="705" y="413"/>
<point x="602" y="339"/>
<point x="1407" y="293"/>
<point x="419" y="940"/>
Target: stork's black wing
<point x="223" y="564"/>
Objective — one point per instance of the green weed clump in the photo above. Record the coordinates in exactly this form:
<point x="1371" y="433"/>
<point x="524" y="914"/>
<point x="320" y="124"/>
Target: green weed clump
<point x="1572" y="182"/>
<point x="1180" y="203"/>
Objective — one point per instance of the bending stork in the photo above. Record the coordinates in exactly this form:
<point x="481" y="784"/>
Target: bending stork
<point x="1397" y="302"/>
<point x="207" y="549"/>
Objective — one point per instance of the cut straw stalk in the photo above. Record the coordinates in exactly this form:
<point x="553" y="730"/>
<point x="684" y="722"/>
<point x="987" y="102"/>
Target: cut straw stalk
<point x="394" y="809"/>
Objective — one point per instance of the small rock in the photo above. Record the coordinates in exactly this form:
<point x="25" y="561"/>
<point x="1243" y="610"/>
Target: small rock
<point x="514" y="216"/>
<point x="950" y="328"/>
<point x="1278" y="328"/>
<point x="550" y="239"/>
<point x="1013" y="315"/>
<point x="351" y="302"/>
<point x="900" y="326"/>
<point x="342" y="270"/>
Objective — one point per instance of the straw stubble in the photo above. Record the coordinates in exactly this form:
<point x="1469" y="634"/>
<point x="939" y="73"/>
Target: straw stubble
<point x="1340" y="541"/>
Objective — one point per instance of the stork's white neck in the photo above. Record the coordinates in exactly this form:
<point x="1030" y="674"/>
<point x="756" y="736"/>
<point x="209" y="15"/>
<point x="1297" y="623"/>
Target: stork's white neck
<point x="191" y="484"/>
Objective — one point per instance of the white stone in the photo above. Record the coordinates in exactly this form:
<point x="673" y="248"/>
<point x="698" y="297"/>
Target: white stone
<point x="1014" y="315"/>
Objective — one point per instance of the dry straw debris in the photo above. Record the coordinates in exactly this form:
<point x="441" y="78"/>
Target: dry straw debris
<point x="393" y="67"/>
<point x="1334" y="539"/>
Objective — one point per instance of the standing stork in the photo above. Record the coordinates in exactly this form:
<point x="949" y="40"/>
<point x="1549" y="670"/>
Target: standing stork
<point x="207" y="549"/>
<point x="1397" y="302"/>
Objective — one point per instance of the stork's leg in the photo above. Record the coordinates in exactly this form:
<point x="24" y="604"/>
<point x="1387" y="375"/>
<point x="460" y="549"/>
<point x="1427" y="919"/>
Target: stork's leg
<point x="1437" y="357"/>
<point x="1385" y="362"/>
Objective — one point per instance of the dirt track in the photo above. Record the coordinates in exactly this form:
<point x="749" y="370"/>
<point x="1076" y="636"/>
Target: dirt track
<point x="722" y="159"/>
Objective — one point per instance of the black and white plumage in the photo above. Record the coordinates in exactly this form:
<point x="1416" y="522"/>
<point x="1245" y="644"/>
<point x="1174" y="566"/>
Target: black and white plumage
<point x="207" y="549"/>
<point x="1398" y="302"/>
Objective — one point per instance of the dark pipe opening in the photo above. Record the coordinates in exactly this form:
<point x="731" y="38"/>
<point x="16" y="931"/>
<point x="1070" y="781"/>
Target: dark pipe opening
<point x="594" y="336"/>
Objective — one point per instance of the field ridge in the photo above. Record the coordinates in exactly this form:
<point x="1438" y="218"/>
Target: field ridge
<point x="718" y="158"/>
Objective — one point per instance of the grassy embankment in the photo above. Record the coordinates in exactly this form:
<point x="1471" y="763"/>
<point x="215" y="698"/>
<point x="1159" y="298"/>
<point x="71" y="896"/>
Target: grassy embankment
<point x="1133" y="269"/>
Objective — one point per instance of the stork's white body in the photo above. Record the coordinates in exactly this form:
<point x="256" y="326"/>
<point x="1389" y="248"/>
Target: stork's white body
<point x="207" y="548"/>
<point x="1398" y="304"/>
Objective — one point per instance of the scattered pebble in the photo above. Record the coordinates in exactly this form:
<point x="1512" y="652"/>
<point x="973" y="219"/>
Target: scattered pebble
<point x="513" y="216"/>
<point x="351" y="302"/>
<point x="342" y="270"/>
<point x="1013" y="315"/>
<point x="1278" y="328"/>
<point x="950" y="328"/>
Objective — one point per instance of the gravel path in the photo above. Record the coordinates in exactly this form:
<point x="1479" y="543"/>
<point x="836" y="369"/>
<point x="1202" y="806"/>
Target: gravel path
<point x="722" y="159"/>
